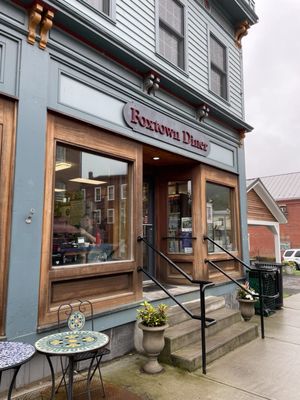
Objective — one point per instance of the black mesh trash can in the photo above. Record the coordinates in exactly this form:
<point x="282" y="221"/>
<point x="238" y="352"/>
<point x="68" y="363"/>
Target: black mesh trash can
<point x="278" y="281"/>
<point x="269" y="286"/>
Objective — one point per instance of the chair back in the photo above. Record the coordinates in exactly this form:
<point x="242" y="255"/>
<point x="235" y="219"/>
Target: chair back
<point x="75" y="314"/>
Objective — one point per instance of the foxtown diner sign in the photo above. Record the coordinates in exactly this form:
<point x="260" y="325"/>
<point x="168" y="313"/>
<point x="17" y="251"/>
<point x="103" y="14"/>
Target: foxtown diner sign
<point x="149" y="122"/>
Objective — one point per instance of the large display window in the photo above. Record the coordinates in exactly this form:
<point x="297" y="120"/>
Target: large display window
<point x="92" y="216"/>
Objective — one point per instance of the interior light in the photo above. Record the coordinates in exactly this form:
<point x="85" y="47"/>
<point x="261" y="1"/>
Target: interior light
<point x="156" y="158"/>
<point x="60" y="165"/>
<point x="57" y="190"/>
<point x="87" y="181"/>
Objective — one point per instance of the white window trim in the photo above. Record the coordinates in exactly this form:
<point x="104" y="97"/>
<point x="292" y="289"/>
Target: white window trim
<point x="112" y="9"/>
<point x="97" y="198"/>
<point x="110" y="216"/>
<point x="110" y="192"/>
<point x="215" y="37"/>
<point x="185" y="33"/>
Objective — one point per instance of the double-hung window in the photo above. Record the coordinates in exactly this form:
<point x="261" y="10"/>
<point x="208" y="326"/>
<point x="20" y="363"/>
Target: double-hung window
<point x="218" y="68"/>
<point x="100" y="5"/>
<point x="171" y="31"/>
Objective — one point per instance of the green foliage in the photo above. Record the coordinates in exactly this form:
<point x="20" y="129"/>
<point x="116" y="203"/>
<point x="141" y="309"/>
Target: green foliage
<point x="289" y="263"/>
<point x="243" y="293"/>
<point x="152" y="316"/>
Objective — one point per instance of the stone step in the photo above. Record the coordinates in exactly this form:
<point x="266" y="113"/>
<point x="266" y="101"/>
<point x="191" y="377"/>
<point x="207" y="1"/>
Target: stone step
<point x="177" y="315"/>
<point x="189" y="331"/>
<point x="217" y="345"/>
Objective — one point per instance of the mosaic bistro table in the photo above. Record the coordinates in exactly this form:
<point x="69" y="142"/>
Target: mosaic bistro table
<point x="12" y="356"/>
<point x="70" y="344"/>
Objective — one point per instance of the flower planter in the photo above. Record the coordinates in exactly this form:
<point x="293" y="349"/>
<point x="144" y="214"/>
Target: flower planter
<point x="153" y="344"/>
<point x="247" y="308"/>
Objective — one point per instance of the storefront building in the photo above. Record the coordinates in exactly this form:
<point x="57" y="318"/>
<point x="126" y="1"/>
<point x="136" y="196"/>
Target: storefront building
<point x="118" y="119"/>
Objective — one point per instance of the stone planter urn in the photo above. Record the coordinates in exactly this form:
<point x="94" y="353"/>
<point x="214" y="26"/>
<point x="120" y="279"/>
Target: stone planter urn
<point x="247" y="308"/>
<point x="153" y="344"/>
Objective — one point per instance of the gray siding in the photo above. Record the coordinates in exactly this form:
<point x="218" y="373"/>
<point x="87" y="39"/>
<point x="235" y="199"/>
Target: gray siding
<point x="135" y="25"/>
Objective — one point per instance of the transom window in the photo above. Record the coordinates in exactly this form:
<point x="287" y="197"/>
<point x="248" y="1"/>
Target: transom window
<point x="91" y="218"/>
<point x="171" y="31"/>
<point x="218" y="68"/>
<point x="100" y="5"/>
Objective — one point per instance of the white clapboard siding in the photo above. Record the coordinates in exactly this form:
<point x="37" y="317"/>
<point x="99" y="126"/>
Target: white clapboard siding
<point x="135" y="24"/>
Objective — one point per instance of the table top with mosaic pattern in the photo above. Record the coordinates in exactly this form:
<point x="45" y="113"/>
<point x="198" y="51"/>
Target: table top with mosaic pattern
<point x="71" y="342"/>
<point x="13" y="354"/>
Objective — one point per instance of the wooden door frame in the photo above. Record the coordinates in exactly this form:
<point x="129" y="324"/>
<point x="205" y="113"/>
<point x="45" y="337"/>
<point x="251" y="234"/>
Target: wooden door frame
<point x="7" y="162"/>
<point x="196" y="265"/>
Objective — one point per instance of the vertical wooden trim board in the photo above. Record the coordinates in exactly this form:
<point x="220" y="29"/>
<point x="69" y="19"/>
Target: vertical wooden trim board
<point x="7" y="154"/>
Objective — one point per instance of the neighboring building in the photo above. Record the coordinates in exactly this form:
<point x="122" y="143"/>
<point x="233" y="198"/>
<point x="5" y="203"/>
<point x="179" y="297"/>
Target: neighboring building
<point x="285" y="189"/>
<point x="264" y="219"/>
<point x="129" y="114"/>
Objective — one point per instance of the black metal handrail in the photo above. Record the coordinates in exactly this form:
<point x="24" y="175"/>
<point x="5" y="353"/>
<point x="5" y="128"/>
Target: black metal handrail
<point x="260" y="294"/>
<point x="205" y="322"/>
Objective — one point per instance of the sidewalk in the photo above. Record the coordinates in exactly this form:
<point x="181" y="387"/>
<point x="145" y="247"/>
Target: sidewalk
<point x="263" y="369"/>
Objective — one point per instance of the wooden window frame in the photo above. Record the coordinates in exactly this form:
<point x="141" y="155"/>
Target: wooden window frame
<point x="218" y="177"/>
<point x="86" y="137"/>
<point x="7" y="160"/>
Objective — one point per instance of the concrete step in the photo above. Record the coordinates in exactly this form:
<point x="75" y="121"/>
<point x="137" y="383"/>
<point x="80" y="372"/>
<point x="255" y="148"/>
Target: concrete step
<point x="189" y="331"/>
<point x="222" y="342"/>
<point x="177" y="315"/>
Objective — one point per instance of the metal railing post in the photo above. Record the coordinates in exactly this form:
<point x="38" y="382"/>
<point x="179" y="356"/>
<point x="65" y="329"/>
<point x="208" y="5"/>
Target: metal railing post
<point x="261" y="305"/>
<point x="203" y="336"/>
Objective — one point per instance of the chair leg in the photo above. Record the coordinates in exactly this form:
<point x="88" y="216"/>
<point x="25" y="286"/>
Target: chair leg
<point x="63" y="379"/>
<point x="89" y="377"/>
<point x="103" y="391"/>
<point x="97" y="366"/>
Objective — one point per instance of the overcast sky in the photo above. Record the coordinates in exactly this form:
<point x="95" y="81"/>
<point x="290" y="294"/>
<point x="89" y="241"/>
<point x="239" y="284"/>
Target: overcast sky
<point x="272" y="89"/>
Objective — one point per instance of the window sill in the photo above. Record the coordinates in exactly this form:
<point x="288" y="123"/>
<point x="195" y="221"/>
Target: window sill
<point x="219" y="97"/>
<point x="179" y="69"/>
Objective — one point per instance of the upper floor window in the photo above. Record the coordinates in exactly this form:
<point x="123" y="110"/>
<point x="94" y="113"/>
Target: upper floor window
<point x="218" y="68"/>
<point x="100" y="5"/>
<point x="171" y="31"/>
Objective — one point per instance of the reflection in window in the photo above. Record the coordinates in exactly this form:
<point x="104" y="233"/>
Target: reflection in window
<point x="180" y="217"/>
<point x="219" y="217"/>
<point x="90" y="222"/>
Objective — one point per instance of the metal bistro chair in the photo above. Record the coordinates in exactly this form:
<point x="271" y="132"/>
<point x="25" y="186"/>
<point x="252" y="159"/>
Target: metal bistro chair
<point x="76" y="319"/>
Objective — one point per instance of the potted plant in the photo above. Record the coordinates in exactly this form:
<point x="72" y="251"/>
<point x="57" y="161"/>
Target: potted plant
<point x="246" y="301"/>
<point x="153" y="324"/>
<point x="289" y="267"/>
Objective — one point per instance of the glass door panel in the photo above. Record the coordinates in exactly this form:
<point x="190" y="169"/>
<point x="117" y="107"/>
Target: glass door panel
<point x="180" y="217"/>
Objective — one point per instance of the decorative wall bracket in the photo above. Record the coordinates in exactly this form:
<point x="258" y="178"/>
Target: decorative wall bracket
<point x="202" y="112"/>
<point x="46" y="25"/>
<point x="151" y="83"/>
<point x="35" y="17"/>
<point x="241" y="31"/>
<point x="42" y="18"/>
<point x="242" y="133"/>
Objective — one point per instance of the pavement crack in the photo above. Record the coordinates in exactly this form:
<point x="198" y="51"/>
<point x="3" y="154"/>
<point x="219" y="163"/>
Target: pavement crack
<point x="238" y="388"/>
